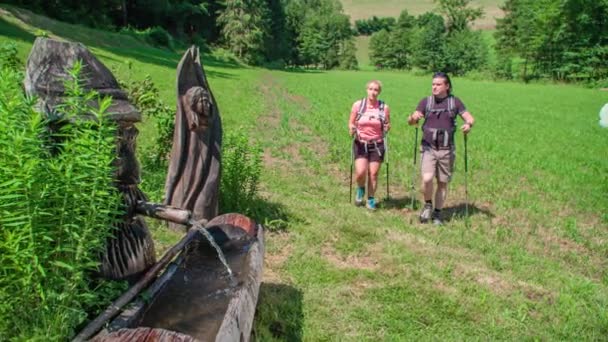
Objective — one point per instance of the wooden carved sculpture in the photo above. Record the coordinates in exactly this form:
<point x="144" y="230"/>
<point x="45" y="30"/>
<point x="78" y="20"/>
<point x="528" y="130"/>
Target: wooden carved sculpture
<point x="196" y="297"/>
<point x="194" y="169"/>
<point x="131" y="251"/>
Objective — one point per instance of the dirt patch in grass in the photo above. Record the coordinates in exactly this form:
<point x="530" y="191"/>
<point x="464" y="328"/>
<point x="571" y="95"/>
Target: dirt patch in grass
<point x="360" y="287"/>
<point x="273" y="114"/>
<point x="271" y="161"/>
<point x="274" y="261"/>
<point x="363" y="261"/>
<point x="300" y="100"/>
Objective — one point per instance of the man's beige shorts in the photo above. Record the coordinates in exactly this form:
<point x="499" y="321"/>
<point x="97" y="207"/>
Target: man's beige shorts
<point x="438" y="162"/>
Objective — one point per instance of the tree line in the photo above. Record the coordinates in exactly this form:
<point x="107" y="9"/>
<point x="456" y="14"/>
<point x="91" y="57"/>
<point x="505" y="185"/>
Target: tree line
<point x="430" y="42"/>
<point x="314" y="33"/>
<point x="562" y="40"/>
<point x="365" y="27"/>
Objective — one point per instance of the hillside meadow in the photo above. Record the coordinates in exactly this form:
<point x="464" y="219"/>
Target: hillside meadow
<point x="532" y="264"/>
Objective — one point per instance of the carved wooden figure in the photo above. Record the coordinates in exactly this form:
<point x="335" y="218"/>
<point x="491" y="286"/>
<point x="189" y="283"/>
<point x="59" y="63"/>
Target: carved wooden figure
<point x="131" y="251"/>
<point x="193" y="177"/>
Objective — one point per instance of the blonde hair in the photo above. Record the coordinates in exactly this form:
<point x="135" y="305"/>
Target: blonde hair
<point x="378" y="83"/>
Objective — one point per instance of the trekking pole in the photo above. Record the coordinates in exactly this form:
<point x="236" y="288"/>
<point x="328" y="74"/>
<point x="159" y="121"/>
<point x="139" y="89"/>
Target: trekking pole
<point x="412" y="193"/>
<point x="352" y="157"/>
<point x="388" y="196"/>
<point x="466" y="190"/>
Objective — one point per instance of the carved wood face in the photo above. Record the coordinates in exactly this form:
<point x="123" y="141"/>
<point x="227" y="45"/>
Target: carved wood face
<point x="199" y="108"/>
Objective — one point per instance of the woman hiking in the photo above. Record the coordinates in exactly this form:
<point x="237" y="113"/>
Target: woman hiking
<point x="368" y="124"/>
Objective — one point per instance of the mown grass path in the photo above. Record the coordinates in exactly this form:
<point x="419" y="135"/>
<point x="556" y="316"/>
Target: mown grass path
<point x="532" y="264"/>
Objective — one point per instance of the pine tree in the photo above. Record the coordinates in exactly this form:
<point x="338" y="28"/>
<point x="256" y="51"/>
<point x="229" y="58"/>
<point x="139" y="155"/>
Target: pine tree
<point x="244" y="28"/>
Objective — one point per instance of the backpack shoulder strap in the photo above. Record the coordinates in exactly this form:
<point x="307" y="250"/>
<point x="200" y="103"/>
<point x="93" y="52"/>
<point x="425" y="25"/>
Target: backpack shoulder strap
<point x="362" y="108"/>
<point x="381" y="105"/>
<point x="451" y="104"/>
<point x="430" y="101"/>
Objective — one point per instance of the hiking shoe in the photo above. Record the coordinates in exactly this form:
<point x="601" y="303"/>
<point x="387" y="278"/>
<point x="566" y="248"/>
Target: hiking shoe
<point x="437" y="218"/>
<point x="425" y="214"/>
<point x="359" y="196"/>
<point x="371" y="203"/>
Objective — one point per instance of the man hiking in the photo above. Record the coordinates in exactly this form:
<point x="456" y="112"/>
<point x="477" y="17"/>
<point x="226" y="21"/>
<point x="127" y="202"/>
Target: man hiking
<point x="437" y="150"/>
<point x="368" y="123"/>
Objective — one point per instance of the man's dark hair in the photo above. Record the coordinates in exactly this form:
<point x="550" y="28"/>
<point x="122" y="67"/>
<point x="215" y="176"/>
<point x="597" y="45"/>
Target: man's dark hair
<point x="441" y="74"/>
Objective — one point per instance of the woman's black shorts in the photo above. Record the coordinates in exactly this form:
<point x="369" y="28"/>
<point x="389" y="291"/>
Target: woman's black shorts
<point x="373" y="152"/>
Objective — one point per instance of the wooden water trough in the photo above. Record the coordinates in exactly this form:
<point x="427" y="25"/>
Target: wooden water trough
<point x="193" y="299"/>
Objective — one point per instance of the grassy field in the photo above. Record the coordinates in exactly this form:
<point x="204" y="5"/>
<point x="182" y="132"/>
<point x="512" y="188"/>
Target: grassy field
<point x="532" y="265"/>
<point x="365" y="9"/>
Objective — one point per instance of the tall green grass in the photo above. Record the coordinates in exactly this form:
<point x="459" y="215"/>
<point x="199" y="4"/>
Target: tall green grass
<point x="532" y="265"/>
<point x="57" y="206"/>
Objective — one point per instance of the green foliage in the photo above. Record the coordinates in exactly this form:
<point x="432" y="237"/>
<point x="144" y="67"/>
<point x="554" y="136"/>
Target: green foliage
<point x="312" y="33"/>
<point x="465" y="51"/>
<point x="322" y="32"/>
<point x="425" y="43"/>
<point x="155" y="36"/>
<point x="429" y="42"/>
<point x="393" y="49"/>
<point x="224" y="55"/>
<point x="184" y="19"/>
<point x="41" y="33"/>
<point x="8" y="57"/>
<point x="563" y="40"/>
<point x="245" y="28"/>
<point x="504" y="67"/>
<point x="349" y="59"/>
<point x="458" y="13"/>
<point x="57" y="207"/>
<point x="373" y="24"/>
<point x="145" y="96"/>
<point x="279" y="42"/>
<point x="378" y="49"/>
<point x="241" y="171"/>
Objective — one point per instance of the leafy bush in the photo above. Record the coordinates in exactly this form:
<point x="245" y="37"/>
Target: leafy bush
<point x="156" y="36"/>
<point x="224" y="56"/>
<point x="8" y="57"/>
<point x="145" y="96"/>
<point x="504" y="67"/>
<point x="56" y="212"/>
<point x="159" y="37"/>
<point x="241" y="170"/>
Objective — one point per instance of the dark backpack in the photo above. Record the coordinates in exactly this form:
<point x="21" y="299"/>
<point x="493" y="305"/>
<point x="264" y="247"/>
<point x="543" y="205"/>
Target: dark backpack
<point x="441" y="138"/>
<point x="430" y="103"/>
